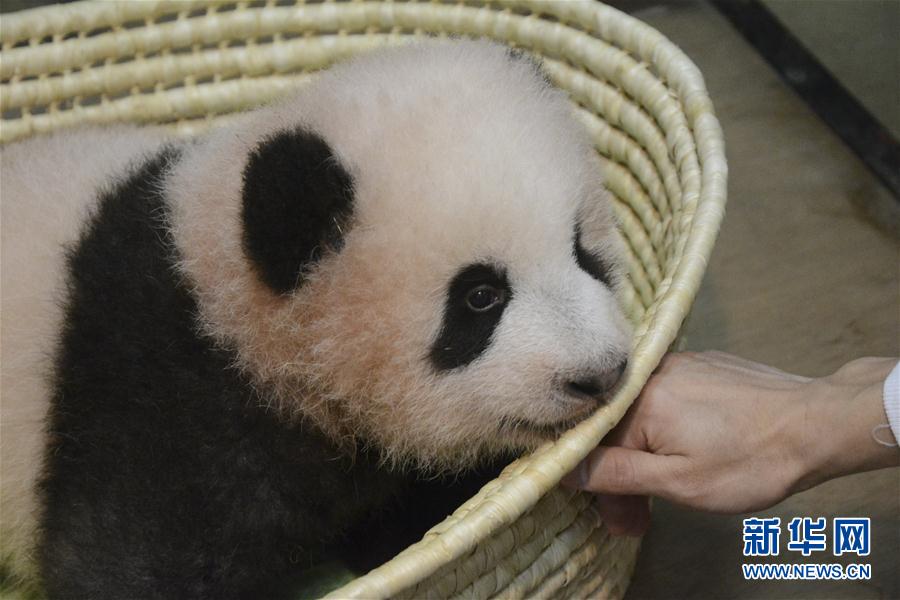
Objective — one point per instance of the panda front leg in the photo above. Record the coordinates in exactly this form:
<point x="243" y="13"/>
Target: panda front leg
<point x="166" y="475"/>
<point x="232" y="520"/>
<point x="145" y="488"/>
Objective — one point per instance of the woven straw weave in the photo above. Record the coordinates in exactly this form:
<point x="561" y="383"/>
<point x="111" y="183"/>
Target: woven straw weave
<point x="192" y="63"/>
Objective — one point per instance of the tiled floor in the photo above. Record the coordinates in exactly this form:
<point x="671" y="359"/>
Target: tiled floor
<point x="799" y="279"/>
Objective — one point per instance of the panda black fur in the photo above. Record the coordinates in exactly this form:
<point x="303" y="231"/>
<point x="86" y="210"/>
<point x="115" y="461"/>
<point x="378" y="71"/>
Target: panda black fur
<point x="274" y="334"/>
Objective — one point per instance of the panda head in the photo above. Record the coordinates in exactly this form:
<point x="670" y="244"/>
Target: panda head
<point x="415" y="252"/>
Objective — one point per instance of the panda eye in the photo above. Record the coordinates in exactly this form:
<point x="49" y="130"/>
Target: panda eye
<point x="484" y="297"/>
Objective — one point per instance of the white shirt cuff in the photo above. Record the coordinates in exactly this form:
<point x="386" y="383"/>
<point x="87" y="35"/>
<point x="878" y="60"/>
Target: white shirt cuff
<point x="892" y="400"/>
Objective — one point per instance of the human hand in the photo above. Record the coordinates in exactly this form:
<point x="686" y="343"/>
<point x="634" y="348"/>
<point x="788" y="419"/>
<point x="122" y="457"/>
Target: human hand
<point x="720" y="433"/>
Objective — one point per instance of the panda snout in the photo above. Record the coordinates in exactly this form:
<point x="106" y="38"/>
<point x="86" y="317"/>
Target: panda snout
<point x="595" y="386"/>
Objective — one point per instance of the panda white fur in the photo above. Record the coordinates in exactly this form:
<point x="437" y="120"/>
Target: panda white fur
<point x="221" y="359"/>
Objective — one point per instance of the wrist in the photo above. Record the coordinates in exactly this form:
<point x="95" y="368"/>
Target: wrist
<point x="835" y="433"/>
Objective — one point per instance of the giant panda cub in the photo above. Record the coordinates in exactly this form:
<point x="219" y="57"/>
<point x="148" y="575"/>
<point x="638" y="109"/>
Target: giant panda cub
<point x="221" y="359"/>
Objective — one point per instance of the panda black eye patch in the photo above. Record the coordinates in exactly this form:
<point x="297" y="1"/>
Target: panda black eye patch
<point x="589" y="262"/>
<point x="475" y="300"/>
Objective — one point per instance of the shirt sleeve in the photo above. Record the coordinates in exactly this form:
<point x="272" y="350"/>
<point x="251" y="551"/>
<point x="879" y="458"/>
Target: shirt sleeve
<point x="892" y="400"/>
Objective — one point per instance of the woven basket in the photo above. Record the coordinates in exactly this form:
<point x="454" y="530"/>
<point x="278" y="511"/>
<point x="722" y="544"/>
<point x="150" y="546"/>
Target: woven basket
<point x="192" y="63"/>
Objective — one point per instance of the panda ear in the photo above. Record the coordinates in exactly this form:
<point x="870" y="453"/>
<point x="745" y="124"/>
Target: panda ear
<point x="518" y="55"/>
<point x="296" y="199"/>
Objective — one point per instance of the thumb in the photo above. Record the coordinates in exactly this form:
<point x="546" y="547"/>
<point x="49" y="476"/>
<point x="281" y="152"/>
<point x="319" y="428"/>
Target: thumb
<point x="619" y="470"/>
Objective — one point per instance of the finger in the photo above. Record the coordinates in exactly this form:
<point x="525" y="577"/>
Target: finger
<point x="627" y="432"/>
<point x="618" y="470"/>
<point x="624" y="515"/>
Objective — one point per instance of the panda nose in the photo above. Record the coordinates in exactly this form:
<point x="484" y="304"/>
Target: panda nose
<point x="596" y="385"/>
